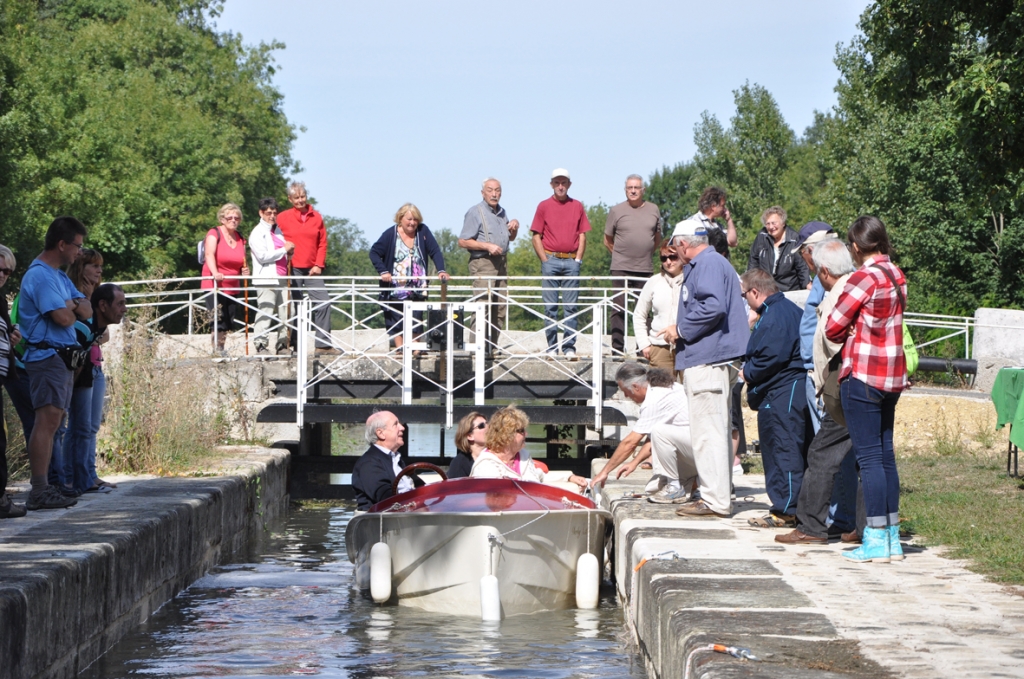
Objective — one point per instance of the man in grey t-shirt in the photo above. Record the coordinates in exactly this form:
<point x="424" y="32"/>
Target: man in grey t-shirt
<point x="486" y="234"/>
<point x="632" y="233"/>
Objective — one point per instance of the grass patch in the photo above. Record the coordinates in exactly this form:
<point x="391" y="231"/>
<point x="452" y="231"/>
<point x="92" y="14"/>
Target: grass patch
<point x="966" y="502"/>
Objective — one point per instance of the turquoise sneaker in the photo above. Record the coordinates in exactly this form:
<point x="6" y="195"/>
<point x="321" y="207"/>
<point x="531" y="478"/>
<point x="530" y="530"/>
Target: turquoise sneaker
<point x="874" y="547"/>
<point x="895" y="548"/>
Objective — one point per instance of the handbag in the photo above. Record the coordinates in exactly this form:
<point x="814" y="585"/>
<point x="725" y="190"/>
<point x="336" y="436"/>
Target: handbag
<point x="909" y="348"/>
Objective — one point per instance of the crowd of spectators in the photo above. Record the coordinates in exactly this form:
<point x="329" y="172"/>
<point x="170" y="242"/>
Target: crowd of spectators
<point x="824" y="379"/>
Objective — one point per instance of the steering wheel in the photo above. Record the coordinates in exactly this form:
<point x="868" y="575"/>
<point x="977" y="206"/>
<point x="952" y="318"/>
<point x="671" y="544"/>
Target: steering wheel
<point x="412" y="470"/>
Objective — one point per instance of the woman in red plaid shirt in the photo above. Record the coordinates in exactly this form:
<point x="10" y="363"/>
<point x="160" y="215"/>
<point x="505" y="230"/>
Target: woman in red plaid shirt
<point x="868" y="320"/>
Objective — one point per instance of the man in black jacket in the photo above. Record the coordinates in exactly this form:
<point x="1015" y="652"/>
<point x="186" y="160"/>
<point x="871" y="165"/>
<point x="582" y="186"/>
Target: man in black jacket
<point x="775" y="250"/>
<point x="376" y="470"/>
<point x="775" y="377"/>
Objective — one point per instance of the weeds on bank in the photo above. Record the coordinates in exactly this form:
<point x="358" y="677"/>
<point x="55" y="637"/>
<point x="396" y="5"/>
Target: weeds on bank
<point x="156" y="417"/>
<point x="17" y="455"/>
<point x="966" y="502"/>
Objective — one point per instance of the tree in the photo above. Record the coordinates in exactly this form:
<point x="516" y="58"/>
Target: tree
<point x="139" y="119"/>
<point x="347" y="249"/>
<point x="674" y="192"/>
<point x="908" y="166"/>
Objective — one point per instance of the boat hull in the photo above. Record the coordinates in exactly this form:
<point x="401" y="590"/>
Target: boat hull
<point x="439" y="558"/>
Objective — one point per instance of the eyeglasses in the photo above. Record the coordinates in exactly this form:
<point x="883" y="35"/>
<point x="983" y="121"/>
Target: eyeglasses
<point x="482" y="425"/>
<point x="746" y="292"/>
<point x="232" y="218"/>
<point x="669" y="258"/>
<point x="77" y="245"/>
<point x="7" y="272"/>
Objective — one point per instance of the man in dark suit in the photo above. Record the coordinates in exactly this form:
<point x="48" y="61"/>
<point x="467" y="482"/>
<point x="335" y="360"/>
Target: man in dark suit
<point x="376" y="470"/>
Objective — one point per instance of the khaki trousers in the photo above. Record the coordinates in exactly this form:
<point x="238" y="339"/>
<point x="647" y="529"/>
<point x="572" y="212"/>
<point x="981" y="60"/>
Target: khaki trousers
<point x="672" y="449"/>
<point x="709" y="390"/>
<point x="492" y="265"/>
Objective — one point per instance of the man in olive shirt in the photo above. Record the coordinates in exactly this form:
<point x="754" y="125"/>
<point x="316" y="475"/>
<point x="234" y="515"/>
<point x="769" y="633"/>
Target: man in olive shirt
<point x="486" y="233"/>
<point x="632" y="233"/>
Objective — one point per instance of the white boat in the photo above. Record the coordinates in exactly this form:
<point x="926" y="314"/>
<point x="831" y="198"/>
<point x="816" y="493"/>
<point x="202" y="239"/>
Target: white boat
<point x="449" y="543"/>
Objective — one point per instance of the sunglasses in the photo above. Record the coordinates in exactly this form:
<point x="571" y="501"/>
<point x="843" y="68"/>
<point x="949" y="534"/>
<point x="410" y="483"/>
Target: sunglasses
<point x="5" y="271"/>
<point x="669" y="258"/>
<point x="482" y="425"/>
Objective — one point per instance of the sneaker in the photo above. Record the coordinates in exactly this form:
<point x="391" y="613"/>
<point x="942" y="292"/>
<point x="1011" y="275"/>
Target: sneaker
<point x="737" y="470"/>
<point x="49" y="498"/>
<point x="9" y="510"/>
<point x="551" y="354"/>
<point x="262" y="350"/>
<point x="669" y="496"/>
<point x="656" y="483"/>
<point x="328" y="351"/>
<point x="570" y="354"/>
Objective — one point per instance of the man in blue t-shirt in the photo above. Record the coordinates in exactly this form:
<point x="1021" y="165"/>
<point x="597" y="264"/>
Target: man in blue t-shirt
<point x="49" y="306"/>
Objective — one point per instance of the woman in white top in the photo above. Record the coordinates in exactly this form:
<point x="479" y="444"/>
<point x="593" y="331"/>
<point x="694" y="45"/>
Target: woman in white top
<point x="504" y="457"/>
<point x="656" y="310"/>
<point x="270" y="253"/>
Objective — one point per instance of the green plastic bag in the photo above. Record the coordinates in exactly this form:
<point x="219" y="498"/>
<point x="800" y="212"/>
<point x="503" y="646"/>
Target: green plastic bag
<point x="909" y="350"/>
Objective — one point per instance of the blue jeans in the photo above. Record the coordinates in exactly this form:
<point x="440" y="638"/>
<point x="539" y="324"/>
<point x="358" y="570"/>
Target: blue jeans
<point x="76" y="474"/>
<point x="99" y="392"/>
<point x="870" y="414"/>
<point x="554" y="270"/>
<point x="84" y="420"/>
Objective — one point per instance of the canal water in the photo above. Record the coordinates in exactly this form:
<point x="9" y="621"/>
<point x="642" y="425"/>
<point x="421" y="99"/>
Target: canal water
<point x="292" y="611"/>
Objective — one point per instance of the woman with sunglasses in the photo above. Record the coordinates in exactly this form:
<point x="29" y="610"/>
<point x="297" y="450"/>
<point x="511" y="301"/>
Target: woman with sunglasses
<point x="470" y="437"/>
<point x="656" y="310"/>
<point x="505" y="456"/>
<point x="225" y="261"/>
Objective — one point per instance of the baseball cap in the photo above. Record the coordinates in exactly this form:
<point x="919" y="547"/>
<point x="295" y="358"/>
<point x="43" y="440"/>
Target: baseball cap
<point x="560" y="172"/>
<point x="814" y="232"/>
<point x="690" y="227"/>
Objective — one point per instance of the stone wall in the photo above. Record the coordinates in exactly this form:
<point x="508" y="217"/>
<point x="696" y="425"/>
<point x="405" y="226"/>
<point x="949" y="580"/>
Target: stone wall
<point x="997" y="343"/>
<point x="72" y="586"/>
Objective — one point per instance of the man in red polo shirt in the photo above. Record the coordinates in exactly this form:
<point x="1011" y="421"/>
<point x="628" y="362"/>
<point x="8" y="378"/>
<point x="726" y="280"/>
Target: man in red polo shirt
<point x="559" y="229"/>
<point x="304" y="226"/>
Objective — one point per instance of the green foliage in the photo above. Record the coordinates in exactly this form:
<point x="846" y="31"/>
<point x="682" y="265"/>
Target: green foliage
<point x="456" y="260"/>
<point x="757" y="160"/>
<point x="909" y="167"/>
<point x="139" y="119"/>
<point x="674" y="192"/>
<point x="347" y="249"/>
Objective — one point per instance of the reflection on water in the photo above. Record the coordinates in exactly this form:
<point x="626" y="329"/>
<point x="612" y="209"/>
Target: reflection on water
<point x="293" y="612"/>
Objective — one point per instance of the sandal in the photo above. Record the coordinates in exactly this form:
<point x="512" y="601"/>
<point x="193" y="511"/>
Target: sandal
<point x="773" y="521"/>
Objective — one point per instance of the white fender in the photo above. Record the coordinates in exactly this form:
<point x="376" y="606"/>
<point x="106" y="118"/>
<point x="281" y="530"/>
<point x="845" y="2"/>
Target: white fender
<point x="380" y="572"/>
<point x="490" y="599"/>
<point x="588" y="581"/>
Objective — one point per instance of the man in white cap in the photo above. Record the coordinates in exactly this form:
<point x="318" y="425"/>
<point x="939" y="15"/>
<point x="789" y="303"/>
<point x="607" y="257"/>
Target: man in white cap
<point x="559" y="237"/>
<point x="711" y="335"/>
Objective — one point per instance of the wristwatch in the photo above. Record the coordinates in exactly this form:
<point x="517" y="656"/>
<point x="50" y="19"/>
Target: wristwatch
<point x="77" y="301"/>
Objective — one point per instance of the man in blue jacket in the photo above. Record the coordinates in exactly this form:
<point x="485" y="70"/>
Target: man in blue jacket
<point x="776" y="379"/>
<point x="711" y="335"/>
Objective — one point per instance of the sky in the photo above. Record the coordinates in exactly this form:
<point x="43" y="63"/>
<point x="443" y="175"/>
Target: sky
<point x="410" y="101"/>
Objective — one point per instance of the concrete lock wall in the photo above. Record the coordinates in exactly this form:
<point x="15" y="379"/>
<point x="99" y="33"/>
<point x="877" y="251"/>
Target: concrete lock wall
<point x="71" y="587"/>
<point x="998" y="343"/>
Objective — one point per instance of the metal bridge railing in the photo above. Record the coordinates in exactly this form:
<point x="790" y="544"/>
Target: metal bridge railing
<point x="175" y="310"/>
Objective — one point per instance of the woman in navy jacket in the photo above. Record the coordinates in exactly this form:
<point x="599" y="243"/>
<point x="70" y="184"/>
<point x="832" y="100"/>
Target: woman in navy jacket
<point x="400" y="256"/>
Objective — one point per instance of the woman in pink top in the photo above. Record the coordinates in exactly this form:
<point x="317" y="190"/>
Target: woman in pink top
<point x="225" y="261"/>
